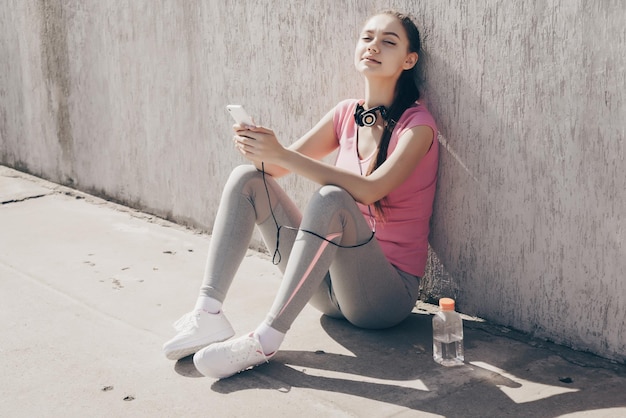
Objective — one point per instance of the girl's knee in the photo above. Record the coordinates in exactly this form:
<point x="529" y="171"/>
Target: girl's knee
<point x="241" y="175"/>
<point x="329" y="197"/>
<point x="245" y="171"/>
<point x="330" y="191"/>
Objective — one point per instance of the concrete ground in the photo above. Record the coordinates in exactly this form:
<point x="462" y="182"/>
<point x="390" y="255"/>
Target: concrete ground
<point x="89" y="289"/>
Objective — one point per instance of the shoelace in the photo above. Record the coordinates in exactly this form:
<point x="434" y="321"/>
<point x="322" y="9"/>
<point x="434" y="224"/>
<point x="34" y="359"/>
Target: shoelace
<point x="187" y="321"/>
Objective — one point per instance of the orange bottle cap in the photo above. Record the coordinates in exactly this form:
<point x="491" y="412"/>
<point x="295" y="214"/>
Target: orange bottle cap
<point x="446" y="304"/>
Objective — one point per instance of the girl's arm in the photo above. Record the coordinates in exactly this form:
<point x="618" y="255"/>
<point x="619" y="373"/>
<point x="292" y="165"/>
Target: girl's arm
<point x="302" y="158"/>
<point x="315" y="144"/>
<point x="411" y="148"/>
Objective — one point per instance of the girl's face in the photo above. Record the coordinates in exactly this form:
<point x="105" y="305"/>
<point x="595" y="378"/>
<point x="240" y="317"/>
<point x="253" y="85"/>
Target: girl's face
<point x="383" y="48"/>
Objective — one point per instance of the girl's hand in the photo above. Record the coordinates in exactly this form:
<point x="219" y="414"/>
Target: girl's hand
<point x="258" y="144"/>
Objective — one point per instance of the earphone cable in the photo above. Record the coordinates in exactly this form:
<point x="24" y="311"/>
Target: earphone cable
<point x="276" y="257"/>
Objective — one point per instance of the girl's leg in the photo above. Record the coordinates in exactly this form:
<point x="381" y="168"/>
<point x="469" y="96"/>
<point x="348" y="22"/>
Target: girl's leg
<point x="361" y="285"/>
<point x="367" y="292"/>
<point x="244" y="204"/>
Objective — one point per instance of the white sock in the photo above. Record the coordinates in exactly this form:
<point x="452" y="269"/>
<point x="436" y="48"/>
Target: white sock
<point x="270" y="338"/>
<point x="208" y="304"/>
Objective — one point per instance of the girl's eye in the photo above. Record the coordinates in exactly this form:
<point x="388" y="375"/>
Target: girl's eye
<point x="390" y="42"/>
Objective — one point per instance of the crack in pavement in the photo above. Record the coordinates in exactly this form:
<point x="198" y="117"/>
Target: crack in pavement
<point x="6" y="202"/>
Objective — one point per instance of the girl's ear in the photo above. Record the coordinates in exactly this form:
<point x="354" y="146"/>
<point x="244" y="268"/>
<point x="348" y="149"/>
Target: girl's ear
<point x="410" y="61"/>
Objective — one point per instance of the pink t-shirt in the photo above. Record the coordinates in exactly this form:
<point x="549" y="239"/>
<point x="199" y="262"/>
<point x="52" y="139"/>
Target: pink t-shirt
<point x="404" y="235"/>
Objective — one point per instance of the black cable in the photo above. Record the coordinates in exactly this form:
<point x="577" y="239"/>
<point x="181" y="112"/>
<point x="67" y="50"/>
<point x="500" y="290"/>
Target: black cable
<point x="279" y="227"/>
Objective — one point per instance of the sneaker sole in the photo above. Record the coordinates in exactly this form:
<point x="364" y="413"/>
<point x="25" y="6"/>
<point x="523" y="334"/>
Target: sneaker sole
<point x="177" y="354"/>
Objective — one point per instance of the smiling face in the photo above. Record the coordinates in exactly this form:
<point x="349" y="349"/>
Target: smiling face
<point x="383" y="48"/>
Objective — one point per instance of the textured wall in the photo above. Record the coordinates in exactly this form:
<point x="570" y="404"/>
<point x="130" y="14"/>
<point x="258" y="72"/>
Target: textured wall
<point x="531" y="209"/>
<point x="126" y="99"/>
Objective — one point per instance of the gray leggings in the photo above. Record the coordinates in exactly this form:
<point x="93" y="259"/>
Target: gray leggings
<point x="357" y="284"/>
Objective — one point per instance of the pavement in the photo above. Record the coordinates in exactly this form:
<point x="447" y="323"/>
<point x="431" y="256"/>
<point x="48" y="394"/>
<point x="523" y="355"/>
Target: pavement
<point x="89" y="290"/>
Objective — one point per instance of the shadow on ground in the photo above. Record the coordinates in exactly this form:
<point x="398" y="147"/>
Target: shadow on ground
<point x="501" y="377"/>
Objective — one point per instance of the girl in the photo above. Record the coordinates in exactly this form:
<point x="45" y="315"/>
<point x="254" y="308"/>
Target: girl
<point x="360" y="247"/>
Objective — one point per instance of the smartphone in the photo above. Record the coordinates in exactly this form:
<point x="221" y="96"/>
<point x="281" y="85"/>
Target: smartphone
<point x="240" y="115"/>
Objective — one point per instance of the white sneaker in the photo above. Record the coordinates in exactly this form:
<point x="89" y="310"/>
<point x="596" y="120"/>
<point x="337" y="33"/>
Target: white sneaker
<point x="196" y="330"/>
<point x="227" y="358"/>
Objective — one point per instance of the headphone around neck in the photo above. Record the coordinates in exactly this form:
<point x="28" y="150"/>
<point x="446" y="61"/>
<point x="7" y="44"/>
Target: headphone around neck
<point x="368" y="118"/>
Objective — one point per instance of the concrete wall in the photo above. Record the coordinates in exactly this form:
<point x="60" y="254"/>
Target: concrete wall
<point x="125" y="99"/>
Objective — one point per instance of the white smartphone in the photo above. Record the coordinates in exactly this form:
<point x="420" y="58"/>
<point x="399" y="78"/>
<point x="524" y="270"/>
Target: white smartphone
<point x="240" y="115"/>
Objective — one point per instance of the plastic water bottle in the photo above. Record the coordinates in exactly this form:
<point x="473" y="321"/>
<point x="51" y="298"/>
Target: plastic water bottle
<point x="448" y="335"/>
